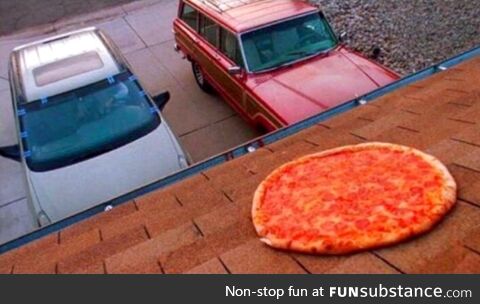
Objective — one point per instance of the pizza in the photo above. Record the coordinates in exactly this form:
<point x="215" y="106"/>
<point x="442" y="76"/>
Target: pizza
<point x="352" y="198"/>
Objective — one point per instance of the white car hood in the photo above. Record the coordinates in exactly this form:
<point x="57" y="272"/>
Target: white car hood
<point x="67" y="191"/>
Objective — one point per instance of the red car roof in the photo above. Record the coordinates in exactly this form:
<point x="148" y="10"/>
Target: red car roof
<point x="243" y="15"/>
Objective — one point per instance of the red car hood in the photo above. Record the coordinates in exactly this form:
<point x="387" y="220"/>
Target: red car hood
<point x="315" y="85"/>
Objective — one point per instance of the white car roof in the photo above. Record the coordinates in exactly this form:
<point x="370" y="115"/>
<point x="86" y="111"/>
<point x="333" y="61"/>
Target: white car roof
<point x="63" y="63"/>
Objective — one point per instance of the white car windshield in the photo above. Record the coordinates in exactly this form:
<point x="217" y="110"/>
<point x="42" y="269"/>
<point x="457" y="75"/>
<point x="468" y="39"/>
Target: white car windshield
<point x="286" y="42"/>
<point x="71" y="127"/>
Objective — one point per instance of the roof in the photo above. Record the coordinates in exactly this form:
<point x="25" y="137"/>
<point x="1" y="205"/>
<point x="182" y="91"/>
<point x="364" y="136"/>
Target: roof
<point x="242" y="15"/>
<point x="62" y="63"/>
<point x="224" y="5"/>
<point x="203" y="224"/>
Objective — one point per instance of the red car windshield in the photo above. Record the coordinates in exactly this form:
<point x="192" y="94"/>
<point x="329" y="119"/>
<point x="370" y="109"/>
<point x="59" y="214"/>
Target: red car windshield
<point x="287" y="42"/>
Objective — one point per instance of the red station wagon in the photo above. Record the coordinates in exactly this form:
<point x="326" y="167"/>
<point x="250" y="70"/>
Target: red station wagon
<point x="275" y="61"/>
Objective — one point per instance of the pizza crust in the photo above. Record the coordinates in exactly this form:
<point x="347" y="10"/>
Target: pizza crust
<point x="366" y="241"/>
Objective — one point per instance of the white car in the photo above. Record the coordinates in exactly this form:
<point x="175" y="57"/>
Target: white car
<point x="88" y="132"/>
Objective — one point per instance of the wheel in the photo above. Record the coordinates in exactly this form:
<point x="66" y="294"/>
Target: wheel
<point x="262" y="128"/>
<point x="200" y="78"/>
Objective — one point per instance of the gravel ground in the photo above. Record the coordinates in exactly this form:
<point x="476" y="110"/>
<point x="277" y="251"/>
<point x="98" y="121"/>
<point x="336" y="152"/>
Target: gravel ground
<point x="412" y="34"/>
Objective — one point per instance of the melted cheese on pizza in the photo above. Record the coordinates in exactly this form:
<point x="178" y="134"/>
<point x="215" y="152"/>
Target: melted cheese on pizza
<point x="349" y="195"/>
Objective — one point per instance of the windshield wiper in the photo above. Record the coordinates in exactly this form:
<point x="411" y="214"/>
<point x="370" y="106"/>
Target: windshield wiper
<point x="301" y="53"/>
<point x="284" y="63"/>
<point x="288" y="62"/>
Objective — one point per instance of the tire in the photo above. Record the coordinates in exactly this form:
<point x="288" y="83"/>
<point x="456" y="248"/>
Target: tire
<point x="261" y="128"/>
<point x="200" y="78"/>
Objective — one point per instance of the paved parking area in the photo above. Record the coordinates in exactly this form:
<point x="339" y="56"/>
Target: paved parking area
<point x="17" y="15"/>
<point x="142" y="29"/>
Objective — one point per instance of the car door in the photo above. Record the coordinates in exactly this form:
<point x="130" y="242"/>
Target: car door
<point x="186" y="29"/>
<point x="217" y="52"/>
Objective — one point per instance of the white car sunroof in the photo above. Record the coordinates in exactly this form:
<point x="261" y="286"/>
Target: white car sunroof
<point x="63" y="63"/>
<point x="68" y="67"/>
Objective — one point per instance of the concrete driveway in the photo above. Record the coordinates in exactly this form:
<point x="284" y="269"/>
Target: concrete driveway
<point x="205" y="124"/>
<point x="18" y="15"/>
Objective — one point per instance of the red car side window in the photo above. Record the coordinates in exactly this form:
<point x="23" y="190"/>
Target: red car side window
<point x="209" y="30"/>
<point x="190" y="16"/>
<point x="229" y="46"/>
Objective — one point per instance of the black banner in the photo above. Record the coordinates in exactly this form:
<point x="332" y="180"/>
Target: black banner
<point x="244" y="289"/>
